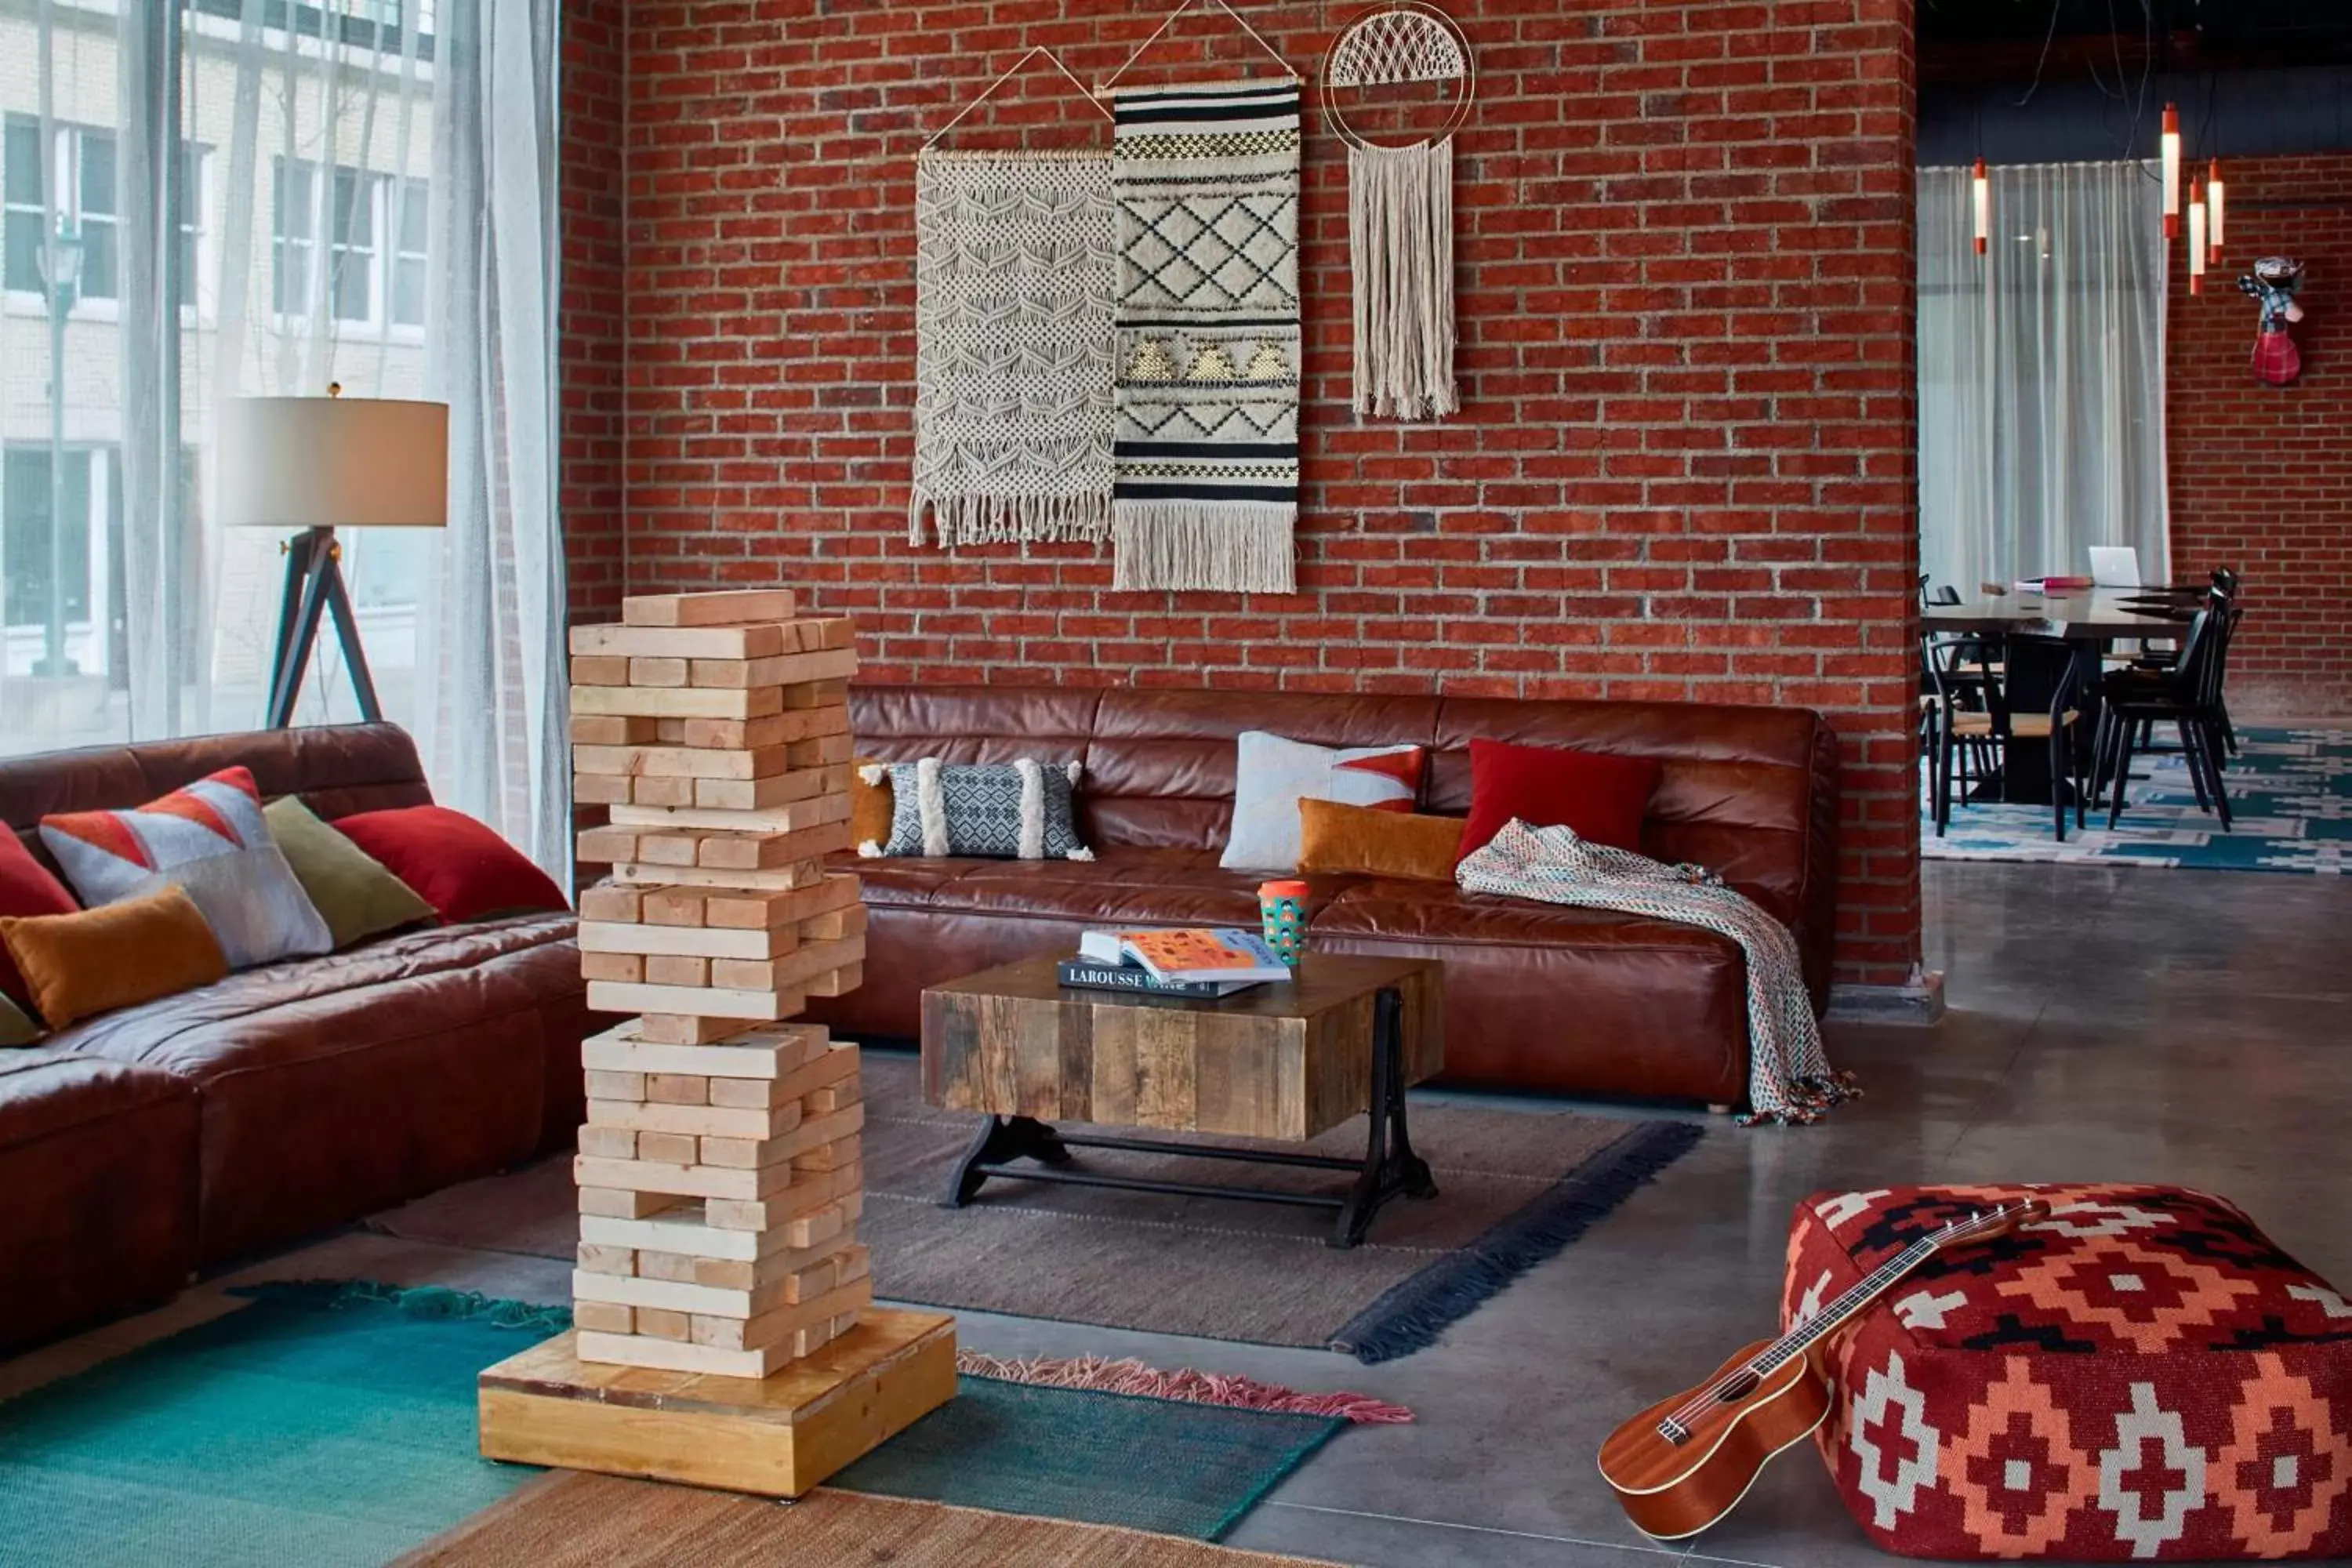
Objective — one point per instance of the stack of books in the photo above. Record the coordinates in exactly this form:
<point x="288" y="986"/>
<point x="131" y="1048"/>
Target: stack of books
<point x="1198" y="961"/>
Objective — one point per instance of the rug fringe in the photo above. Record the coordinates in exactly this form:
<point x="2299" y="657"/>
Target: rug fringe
<point x="432" y="1301"/>
<point x="1102" y="1375"/>
<point x="1413" y="1315"/>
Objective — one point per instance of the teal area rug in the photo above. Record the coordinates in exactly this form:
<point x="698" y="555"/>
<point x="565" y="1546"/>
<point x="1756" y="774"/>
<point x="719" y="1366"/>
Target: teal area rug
<point x="331" y="1425"/>
<point x="2291" y="791"/>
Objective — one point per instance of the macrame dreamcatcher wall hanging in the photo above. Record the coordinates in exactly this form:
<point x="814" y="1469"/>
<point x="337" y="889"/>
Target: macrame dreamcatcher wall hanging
<point x="1400" y="210"/>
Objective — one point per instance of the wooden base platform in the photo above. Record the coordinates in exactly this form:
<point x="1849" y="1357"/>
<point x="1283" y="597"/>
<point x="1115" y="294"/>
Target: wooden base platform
<point x="775" y="1436"/>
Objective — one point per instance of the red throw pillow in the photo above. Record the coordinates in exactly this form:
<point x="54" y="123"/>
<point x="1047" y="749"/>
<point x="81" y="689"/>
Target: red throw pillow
<point x="27" y="888"/>
<point x="1604" y="798"/>
<point x="459" y="866"/>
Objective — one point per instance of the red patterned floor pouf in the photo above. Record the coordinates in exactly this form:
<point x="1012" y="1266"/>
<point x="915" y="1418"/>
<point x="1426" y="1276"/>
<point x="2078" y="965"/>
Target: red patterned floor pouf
<point x="2143" y="1376"/>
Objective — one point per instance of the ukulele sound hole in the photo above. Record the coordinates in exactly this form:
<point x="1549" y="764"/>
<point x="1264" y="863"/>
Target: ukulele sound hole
<point x="1738" y="1388"/>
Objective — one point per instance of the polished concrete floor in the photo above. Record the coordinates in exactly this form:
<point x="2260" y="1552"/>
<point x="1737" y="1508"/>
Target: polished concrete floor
<point x="2106" y="1024"/>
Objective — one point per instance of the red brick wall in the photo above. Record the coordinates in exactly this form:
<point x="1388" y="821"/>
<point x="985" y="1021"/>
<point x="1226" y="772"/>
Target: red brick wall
<point x="2262" y="479"/>
<point x="1686" y="464"/>
<point x="590" y="315"/>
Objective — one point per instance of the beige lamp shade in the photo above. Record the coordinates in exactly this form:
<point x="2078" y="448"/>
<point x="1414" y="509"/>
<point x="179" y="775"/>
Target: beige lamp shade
<point x="334" y="462"/>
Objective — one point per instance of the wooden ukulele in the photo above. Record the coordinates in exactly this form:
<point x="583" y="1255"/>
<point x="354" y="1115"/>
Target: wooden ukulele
<point x="1682" y="1463"/>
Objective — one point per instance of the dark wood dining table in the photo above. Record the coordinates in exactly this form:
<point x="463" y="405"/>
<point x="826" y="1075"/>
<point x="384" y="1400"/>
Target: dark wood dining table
<point x="2092" y="621"/>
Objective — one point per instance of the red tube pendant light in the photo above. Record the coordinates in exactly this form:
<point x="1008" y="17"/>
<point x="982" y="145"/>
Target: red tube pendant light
<point x="2170" y="146"/>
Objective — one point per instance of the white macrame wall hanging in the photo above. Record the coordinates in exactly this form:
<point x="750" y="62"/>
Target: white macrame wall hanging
<point x="1401" y="209"/>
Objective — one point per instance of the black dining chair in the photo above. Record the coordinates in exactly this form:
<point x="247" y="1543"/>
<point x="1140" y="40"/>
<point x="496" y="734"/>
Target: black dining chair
<point x="2188" y="697"/>
<point x="1975" y="717"/>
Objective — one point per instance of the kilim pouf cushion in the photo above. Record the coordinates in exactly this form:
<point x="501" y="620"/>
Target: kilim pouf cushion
<point x="2142" y="1377"/>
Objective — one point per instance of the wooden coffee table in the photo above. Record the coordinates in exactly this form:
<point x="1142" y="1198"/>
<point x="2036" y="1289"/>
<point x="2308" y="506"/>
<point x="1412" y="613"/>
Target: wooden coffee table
<point x="1283" y="1062"/>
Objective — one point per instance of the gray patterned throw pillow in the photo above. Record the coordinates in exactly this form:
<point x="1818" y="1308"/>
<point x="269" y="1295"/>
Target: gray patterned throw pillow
<point x="1005" y="811"/>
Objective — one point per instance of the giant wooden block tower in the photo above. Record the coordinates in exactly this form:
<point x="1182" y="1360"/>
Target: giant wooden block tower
<point x="718" y="1171"/>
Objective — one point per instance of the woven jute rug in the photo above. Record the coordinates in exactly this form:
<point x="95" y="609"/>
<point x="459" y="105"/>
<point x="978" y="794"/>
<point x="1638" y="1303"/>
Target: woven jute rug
<point x="1514" y="1188"/>
<point x="566" y="1519"/>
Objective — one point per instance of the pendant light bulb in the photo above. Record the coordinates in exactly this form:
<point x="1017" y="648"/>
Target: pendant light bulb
<point x="2171" y="161"/>
<point x="2196" y="240"/>
<point x="1981" y="205"/>
<point x="2213" y="209"/>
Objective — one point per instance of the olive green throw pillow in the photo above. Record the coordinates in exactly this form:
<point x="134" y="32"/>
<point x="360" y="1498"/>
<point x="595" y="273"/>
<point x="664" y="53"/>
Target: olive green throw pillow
<point x="15" y="1030"/>
<point x="357" y="897"/>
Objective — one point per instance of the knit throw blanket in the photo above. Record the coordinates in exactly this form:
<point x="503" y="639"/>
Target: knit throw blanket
<point x="1207" y="186"/>
<point x="1014" y="269"/>
<point x="1788" y="1074"/>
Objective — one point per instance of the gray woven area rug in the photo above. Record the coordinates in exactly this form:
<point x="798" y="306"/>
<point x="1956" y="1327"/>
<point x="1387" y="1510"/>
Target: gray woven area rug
<point x="1514" y="1188"/>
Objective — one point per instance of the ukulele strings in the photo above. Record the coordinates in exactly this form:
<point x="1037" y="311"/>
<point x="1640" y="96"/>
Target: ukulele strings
<point x="1896" y="1267"/>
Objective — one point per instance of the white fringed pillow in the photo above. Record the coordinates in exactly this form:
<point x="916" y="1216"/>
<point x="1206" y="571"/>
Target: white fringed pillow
<point x="1003" y="811"/>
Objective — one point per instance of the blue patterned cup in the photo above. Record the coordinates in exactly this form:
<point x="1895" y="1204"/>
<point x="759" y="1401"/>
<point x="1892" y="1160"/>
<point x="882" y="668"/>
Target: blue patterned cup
<point x="1282" y="906"/>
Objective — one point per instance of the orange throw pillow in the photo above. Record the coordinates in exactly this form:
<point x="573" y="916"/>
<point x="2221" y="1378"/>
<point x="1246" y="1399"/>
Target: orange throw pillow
<point x="117" y="956"/>
<point x="1365" y="841"/>
<point x="871" y="803"/>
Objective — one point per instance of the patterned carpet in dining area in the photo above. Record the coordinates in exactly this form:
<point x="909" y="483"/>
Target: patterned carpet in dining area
<point x="2291" y="791"/>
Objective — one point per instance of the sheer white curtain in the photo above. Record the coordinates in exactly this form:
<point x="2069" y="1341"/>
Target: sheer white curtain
<point x="2041" y="373"/>
<point x="209" y="199"/>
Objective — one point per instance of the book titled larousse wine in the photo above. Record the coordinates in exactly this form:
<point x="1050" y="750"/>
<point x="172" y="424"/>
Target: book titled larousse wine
<point x="1087" y="975"/>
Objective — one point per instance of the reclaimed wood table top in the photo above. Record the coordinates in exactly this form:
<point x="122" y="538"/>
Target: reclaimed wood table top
<point x="1282" y="1061"/>
<point x="2102" y="614"/>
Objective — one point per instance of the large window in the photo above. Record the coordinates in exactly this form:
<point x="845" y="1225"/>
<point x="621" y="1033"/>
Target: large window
<point x="81" y="160"/>
<point x="42" y="582"/>
<point x="362" y="215"/>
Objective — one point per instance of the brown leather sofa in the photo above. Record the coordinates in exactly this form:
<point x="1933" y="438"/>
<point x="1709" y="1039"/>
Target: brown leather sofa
<point x="1537" y="996"/>
<point x="143" y="1144"/>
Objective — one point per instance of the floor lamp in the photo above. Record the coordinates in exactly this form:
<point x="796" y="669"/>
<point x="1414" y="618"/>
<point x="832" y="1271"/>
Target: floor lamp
<point x="318" y="464"/>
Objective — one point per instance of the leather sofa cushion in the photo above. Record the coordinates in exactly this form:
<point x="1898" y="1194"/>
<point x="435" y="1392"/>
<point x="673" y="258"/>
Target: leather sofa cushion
<point x="342" y="1084"/>
<point x="48" y="1089"/>
<point x="1142" y="887"/>
<point x="1437" y="914"/>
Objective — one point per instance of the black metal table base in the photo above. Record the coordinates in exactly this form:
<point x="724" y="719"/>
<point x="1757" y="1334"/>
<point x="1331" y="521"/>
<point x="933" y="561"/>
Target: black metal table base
<point x="1388" y="1169"/>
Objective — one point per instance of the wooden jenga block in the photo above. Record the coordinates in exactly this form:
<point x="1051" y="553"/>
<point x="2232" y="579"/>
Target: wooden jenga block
<point x="784" y="669"/>
<point x="824" y="1200"/>
<point x="673" y="1268"/>
<point x="754" y="640"/>
<point x="624" y="1203"/>
<point x="685" y="1181"/>
<point x="684" y="762"/>
<point x="669" y="907"/>
<point x="597" y="1259"/>
<point x="837" y="1155"/>
<point x="654" y="672"/>
<point x="691" y="940"/>
<point x="616" y="1085"/>
<point x="608" y="1142"/>
<point x="724" y="607"/>
<point x="610" y="901"/>
<point x="769" y="1053"/>
<point x="655" y="1323"/>
<point x="607" y="845"/>
<point x="754" y="1122"/>
<point x="790" y="816"/>
<point x="677" y="1089"/>
<point x="821" y="751"/>
<point x="810" y="1135"/>
<point x="610" y="730"/>
<point x="744" y="1006"/>
<point x="600" y="670"/>
<point x="844" y="1255"/>
<point x="758" y="795"/>
<point x="621" y="968"/>
<point x="840" y="982"/>
<point x="831" y="631"/>
<point x="663" y="849"/>
<point x="831" y="925"/>
<point x="794" y="723"/>
<point x="667" y="1148"/>
<point x="661" y="792"/>
<point x="683" y="1230"/>
<point x="676" y="969"/>
<point x="816" y="694"/>
<point x="765" y="911"/>
<point x="600" y="789"/>
<point x="777" y="1324"/>
<point x="781" y="879"/>
<point x="684" y="1029"/>
<point x="833" y="1097"/>
<point x="603" y="1318"/>
<point x="678" y="703"/>
<point x="698" y="1361"/>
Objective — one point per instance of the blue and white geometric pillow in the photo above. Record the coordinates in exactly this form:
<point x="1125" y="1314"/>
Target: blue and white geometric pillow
<point x="1005" y="811"/>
